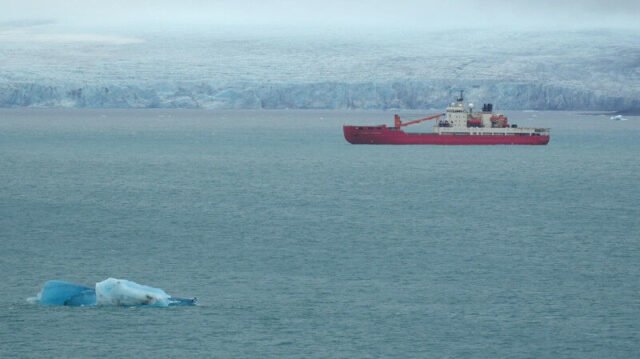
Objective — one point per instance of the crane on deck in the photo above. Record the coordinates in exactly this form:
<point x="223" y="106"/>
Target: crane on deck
<point x="398" y="123"/>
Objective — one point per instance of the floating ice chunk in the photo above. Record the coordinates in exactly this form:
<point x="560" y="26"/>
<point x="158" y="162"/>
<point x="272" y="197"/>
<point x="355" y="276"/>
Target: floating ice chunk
<point x="176" y="301"/>
<point x="59" y="292"/>
<point x="124" y="292"/>
<point x="618" y="118"/>
<point x="120" y="292"/>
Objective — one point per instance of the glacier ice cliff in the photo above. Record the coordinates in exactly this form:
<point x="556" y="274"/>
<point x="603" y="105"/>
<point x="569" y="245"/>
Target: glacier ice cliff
<point x="326" y="95"/>
<point x="228" y="69"/>
<point x="111" y="291"/>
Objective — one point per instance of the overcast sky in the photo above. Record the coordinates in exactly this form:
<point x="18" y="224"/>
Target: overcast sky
<point x="361" y="13"/>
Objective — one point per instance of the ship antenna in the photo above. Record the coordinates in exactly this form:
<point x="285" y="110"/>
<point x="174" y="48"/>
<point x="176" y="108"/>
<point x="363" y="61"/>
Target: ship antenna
<point x="461" y="98"/>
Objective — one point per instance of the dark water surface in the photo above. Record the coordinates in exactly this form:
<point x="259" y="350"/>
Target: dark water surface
<point x="300" y="245"/>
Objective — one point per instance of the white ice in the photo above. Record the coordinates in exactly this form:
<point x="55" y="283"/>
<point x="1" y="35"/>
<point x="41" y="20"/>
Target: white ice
<point x="114" y="291"/>
<point x="618" y="118"/>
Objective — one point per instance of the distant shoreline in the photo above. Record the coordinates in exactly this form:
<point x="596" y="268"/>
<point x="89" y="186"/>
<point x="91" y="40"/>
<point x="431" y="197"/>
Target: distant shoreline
<point x="629" y="112"/>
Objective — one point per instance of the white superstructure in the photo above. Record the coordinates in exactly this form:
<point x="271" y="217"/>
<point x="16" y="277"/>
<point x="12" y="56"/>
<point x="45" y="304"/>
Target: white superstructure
<point x="460" y="119"/>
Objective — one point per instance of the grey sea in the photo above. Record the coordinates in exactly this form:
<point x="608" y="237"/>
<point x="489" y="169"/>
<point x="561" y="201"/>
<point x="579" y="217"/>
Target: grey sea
<point x="300" y="245"/>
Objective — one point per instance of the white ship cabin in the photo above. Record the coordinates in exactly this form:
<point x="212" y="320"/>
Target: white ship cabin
<point x="462" y="120"/>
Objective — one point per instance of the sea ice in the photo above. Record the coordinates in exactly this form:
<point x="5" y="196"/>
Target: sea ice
<point x="618" y="118"/>
<point x="111" y="291"/>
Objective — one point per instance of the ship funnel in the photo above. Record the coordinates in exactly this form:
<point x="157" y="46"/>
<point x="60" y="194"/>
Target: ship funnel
<point x="487" y="107"/>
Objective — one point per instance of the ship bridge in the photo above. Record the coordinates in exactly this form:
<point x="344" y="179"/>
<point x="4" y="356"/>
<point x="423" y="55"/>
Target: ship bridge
<point x="456" y="115"/>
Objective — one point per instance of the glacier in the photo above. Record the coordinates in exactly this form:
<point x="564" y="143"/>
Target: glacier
<point x="231" y="69"/>
<point x="325" y="95"/>
<point x="109" y="292"/>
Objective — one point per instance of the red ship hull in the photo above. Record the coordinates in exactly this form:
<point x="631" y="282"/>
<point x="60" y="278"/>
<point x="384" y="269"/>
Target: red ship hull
<point x="383" y="135"/>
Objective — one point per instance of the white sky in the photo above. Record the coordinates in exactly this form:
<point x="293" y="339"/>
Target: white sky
<point x="380" y="14"/>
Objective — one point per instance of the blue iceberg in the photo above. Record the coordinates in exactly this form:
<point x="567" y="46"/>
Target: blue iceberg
<point x="59" y="292"/>
<point x="111" y="291"/>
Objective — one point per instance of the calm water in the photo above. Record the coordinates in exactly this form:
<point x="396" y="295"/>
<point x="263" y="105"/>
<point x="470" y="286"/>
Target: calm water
<point x="300" y="245"/>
